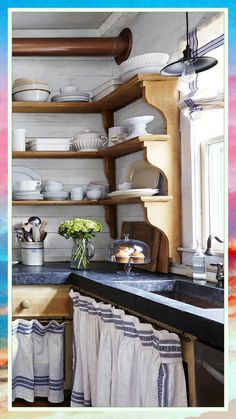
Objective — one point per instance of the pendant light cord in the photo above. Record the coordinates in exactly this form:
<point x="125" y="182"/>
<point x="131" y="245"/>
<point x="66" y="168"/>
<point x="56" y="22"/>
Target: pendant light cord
<point x="187" y="35"/>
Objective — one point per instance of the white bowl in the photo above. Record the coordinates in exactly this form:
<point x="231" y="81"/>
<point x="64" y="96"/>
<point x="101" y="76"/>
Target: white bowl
<point x="154" y="58"/>
<point x="94" y="194"/>
<point x="54" y="188"/>
<point x="137" y="125"/>
<point x="58" y="195"/>
<point x="19" y="82"/>
<point x="32" y="86"/>
<point x="72" y="88"/>
<point x="36" y="95"/>
<point x="125" y="185"/>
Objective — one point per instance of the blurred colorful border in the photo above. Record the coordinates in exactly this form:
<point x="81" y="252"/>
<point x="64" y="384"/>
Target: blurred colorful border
<point x="119" y="413"/>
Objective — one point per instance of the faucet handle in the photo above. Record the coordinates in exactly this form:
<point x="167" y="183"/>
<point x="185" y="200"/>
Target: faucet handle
<point x="219" y="274"/>
<point x="209" y="250"/>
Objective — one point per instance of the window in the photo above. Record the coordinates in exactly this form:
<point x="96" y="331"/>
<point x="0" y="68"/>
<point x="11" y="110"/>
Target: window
<point x="202" y="160"/>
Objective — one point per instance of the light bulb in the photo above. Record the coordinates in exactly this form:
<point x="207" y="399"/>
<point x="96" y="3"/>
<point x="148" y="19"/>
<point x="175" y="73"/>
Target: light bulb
<point x="188" y="73"/>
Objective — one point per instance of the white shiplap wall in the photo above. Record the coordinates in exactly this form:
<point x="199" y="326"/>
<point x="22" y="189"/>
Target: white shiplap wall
<point x="152" y="32"/>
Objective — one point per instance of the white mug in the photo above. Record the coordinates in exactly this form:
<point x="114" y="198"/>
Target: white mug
<point x="18" y="141"/>
<point x="27" y="185"/>
<point x="116" y="135"/>
<point x="76" y="194"/>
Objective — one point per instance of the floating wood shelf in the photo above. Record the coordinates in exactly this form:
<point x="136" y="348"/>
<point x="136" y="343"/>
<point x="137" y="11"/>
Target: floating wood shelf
<point x="110" y="202"/>
<point x="118" y="150"/>
<point x="122" y="96"/>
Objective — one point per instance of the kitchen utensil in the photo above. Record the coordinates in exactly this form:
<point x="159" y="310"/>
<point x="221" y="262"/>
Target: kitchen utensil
<point x="35" y="233"/>
<point x="142" y="174"/>
<point x="28" y="237"/>
<point x="89" y="141"/>
<point x="27" y="185"/>
<point x="43" y="236"/>
<point x="136" y="125"/>
<point x="71" y="88"/>
<point x="156" y="240"/>
<point x="35" y="95"/>
<point x="35" y="221"/>
<point x="41" y="229"/>
<point x="23" y="173"/>
<point x="18" y="141"/>
<point x="94" y="194"/>
<point x="76" y="194"/>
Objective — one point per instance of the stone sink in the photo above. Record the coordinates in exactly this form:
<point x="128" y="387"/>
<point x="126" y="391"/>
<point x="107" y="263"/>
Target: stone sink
<point x="203" y="296"/>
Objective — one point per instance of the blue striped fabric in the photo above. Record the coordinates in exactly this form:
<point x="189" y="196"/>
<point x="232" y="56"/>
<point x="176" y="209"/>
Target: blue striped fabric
<point x="33" y="327"/>
<point x="78" y="398"/>
<point x="169" y="350"/>
<point x="162" y="386"/>
<point x="20" y="381"/>
<point x="199" y="52"/>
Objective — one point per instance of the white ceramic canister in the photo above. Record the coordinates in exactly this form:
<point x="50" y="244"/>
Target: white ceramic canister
<point x="18" y="141"/>
<point x="32" y="253"/>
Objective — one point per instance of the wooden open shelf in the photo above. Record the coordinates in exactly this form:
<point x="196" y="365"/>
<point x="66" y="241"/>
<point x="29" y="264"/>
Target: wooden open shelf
<point x="118" y="150"/>
<point x="122" y="96"/>
<point x="110" y="202"/>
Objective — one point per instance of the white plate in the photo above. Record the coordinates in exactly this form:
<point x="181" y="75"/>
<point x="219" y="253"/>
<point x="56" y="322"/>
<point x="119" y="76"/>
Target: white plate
<point x="134" y="192"/>
<point x="23" y="173"/>
<point x="28" y="197"/>
<point x="35" y="191"/>
<point x="72" y="99"/>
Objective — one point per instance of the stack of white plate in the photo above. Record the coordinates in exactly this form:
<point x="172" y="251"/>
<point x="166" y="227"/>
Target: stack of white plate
<point x="56" y="196"/>
<point x="128" y="193"/>
<point x="78" y="96"/>
<point x="30" y="90"/>
<point x="144" y="64"/>
<point x="49" y="144"/>
<point x="105" y="88"/>
<point x="20" y="173"/>
<point x="27" y="195"/>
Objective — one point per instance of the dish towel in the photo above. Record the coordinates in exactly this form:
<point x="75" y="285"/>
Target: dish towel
<point x="120" y="362"/>
<point x="38" y="360"/>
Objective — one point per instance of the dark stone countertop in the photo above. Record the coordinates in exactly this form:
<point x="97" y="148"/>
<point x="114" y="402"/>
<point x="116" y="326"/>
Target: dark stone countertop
<point x="102" y="279"/>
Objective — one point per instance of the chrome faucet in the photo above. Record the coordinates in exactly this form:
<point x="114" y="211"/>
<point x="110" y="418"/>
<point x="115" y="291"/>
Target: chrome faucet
<point x="219" y="274"/>
<point x="209" y="250"/>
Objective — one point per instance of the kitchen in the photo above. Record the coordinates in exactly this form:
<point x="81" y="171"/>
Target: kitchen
<point x="41" y="292"/>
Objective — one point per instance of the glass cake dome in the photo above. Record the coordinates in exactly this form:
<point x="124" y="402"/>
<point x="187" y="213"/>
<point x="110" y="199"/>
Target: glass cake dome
<point x="128" y="252"/>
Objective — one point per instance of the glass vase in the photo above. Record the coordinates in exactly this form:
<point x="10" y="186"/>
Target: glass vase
<point x="83" y="250"/>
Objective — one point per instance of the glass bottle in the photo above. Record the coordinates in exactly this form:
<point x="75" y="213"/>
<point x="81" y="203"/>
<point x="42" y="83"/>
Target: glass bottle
<point x="199" y="266"/>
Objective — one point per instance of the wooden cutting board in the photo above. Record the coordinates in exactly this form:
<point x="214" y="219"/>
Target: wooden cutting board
<point x="156" y="240"/>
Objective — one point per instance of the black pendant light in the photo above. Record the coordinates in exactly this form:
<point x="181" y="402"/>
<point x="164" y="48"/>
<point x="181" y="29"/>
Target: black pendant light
<point x="188" y="63"/>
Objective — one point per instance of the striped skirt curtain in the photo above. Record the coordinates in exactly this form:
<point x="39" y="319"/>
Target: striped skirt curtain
<point x="38" y="360"/>
<point x="120" y="362"/>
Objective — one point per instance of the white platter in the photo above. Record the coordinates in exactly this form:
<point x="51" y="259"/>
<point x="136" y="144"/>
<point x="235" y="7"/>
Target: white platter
<point x="23" y="173"/>
<point x="134" y="192"/>
<point x="142" y="174"/>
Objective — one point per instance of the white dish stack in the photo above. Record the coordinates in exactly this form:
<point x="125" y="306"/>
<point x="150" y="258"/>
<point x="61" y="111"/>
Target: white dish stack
<point x="30" y="90"/>
<point x="54" y="191"/>
<point x="49" y="144"/>
<point x="105" y="88"/>
<point x="72" y="93"/>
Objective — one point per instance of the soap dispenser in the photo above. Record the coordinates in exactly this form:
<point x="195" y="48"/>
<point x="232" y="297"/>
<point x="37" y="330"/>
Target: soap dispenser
<point x="199" y="266"/>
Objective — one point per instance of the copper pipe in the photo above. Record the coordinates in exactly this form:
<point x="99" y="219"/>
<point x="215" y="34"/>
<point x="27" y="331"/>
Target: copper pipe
<point x="117" y="47"/>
